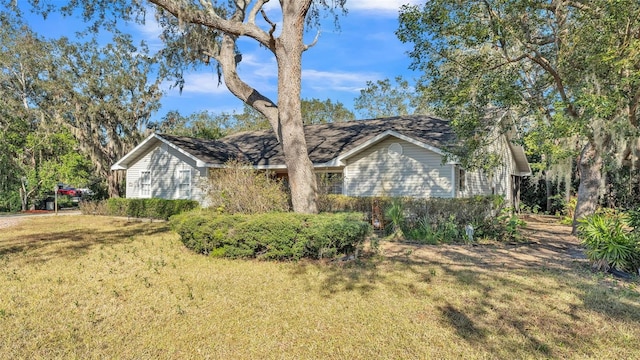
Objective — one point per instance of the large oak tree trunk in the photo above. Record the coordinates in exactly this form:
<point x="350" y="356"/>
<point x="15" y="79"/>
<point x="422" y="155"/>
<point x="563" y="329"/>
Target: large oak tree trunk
<point x="289" y="48"/>
<point x="286" y="116"/>
<point x="114" y="179"/>
<point x="590" y="165"/>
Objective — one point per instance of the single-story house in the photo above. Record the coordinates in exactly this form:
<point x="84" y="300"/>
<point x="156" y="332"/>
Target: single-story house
<point x="397" y="156"/>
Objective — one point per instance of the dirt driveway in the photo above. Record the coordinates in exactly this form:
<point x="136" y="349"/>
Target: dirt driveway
<point x="548" y="244"/>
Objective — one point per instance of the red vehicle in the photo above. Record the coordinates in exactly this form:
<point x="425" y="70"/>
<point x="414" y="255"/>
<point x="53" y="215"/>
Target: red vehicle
<point x="69" y="191"/>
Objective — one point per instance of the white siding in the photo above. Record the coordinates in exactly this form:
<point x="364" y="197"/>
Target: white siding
<point x="476" y="183"/>
<point x="165" y="164"/>
<point x="416" y="172"/>
<point x="499" y="182"/>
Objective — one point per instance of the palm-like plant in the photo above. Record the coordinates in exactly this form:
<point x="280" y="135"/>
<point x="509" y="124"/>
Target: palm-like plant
<point x="608" y="242"/>
<point x="395" y="214"/>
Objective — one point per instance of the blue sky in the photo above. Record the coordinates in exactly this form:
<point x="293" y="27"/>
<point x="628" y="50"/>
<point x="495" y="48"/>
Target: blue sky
<point x="365" y="48"/>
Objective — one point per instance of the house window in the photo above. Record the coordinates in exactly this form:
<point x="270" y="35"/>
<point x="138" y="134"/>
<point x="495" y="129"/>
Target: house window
<point x="145" y="184"/>
<point x="184" y="186"/>
<point x="330" y="183"/>
<point x="462" y="179"/>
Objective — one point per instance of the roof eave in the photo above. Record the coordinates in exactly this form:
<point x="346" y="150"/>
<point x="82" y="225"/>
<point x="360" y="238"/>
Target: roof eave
<point x="374" y="140"/>
<point x="123" y="163"/>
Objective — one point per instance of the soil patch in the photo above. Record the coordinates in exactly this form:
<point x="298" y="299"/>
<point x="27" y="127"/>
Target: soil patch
<point x="548" y="245"/>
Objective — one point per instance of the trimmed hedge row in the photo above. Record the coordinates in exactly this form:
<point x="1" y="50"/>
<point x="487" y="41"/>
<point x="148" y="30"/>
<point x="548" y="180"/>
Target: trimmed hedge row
<point x="473" y="210"/>
<point x="148" y="208"/>
<point x="278" y="236"/>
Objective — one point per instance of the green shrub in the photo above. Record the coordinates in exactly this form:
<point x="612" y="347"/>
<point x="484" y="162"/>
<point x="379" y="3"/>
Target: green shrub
<point x="142" y="208"/>
<point x="504" y="226"/>
<point x="609" y="243"/>
<point x="425" y="231"/>
<point x="396" y="216"/>
<point x="332" y="234"/>
<point x="202" y="232"/>
<point x="278" y="236"/>
<point x="435" y="220"/>
<point x="634" y="219"/>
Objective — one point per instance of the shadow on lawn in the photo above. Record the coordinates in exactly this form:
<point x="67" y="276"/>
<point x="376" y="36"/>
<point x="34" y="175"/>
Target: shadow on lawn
<point x="497" y="309"/>
<point x="45" y="245"/>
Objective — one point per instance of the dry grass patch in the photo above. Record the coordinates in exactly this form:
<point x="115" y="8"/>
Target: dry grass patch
<point x="97" y="287"/>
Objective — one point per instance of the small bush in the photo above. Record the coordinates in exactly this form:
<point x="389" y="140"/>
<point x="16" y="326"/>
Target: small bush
<point x="239" y="189"/>
<point x="139" y="208"/>
<point x="95" y="207"/>
<point x="395" y="214"/>
<point x="277" y="236"/>
<point x="608" y="242"/>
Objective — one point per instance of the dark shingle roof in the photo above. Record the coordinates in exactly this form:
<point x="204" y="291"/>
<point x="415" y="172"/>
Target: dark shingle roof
<point x="324" y="141"/>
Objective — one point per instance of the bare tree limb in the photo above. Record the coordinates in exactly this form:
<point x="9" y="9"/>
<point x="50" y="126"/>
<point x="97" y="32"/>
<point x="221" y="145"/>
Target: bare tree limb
<point x="546" y="65"/>
<point x="257" y="7"/>
<point x="271" y="30"/>
<point x="239" y="88"/>
<point x="315" y="41"/>
<point x="213" y="20"/>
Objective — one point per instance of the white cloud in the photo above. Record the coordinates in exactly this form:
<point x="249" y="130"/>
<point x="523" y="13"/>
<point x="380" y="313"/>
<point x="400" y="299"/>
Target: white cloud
<point x="150" y="29"/>
<point x="198" y="83"/>
<point x="390" y="6"/>
<point x="256" y="72"/>
<point x="336" y="81"/>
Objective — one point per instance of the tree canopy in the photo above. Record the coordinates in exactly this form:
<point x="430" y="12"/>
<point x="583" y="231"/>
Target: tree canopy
<point x="200" y="32"/>
<point x="567" y="72"/>
<point x="382" y="99"/>
<point x="78" y="101"/>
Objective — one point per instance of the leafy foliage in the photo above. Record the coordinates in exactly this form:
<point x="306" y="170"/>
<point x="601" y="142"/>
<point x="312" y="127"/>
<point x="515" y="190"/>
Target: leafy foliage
<point x="270" y="236"/>
<point x="202" y="125"/>
<point x="78" y="101"/>
<point x="563" y="72"/>
<point x="315" y="111"/>
<point x="436" y="220"/>
<point x="206" y="125"/>
<point x="609" y="244"/>
<point x="395" y="214"/>
<point x="383" y="99"/>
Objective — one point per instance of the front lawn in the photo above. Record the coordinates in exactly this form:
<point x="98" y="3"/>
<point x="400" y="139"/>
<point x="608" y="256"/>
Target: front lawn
<point x="98" y="287"/>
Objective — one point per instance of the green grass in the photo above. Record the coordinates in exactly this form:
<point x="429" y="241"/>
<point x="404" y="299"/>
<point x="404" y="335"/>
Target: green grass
<point x="95" y="287"/>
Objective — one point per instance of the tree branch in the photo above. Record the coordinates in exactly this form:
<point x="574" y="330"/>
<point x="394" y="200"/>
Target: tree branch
<point x="210" y="18"/>
<point x="241" y="89"/>
<point x="272" y="41"/>
<point x="633" y="109"/>
<point x="315" y="41"/>
<point x="508" y="61"/>
<point x="254" y="11"/>
<point x="546" y="65"/>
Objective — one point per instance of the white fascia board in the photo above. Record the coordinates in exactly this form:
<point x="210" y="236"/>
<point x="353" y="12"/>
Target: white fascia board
<point x="339" y="161"/>
<point x="271" y="167"/>
<point x="199" y="163"/>
<point x="520" y="158"/>
<point x="333" y="163"/>
<point x="122" y="164"/>
<point x="257" y="167"/>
